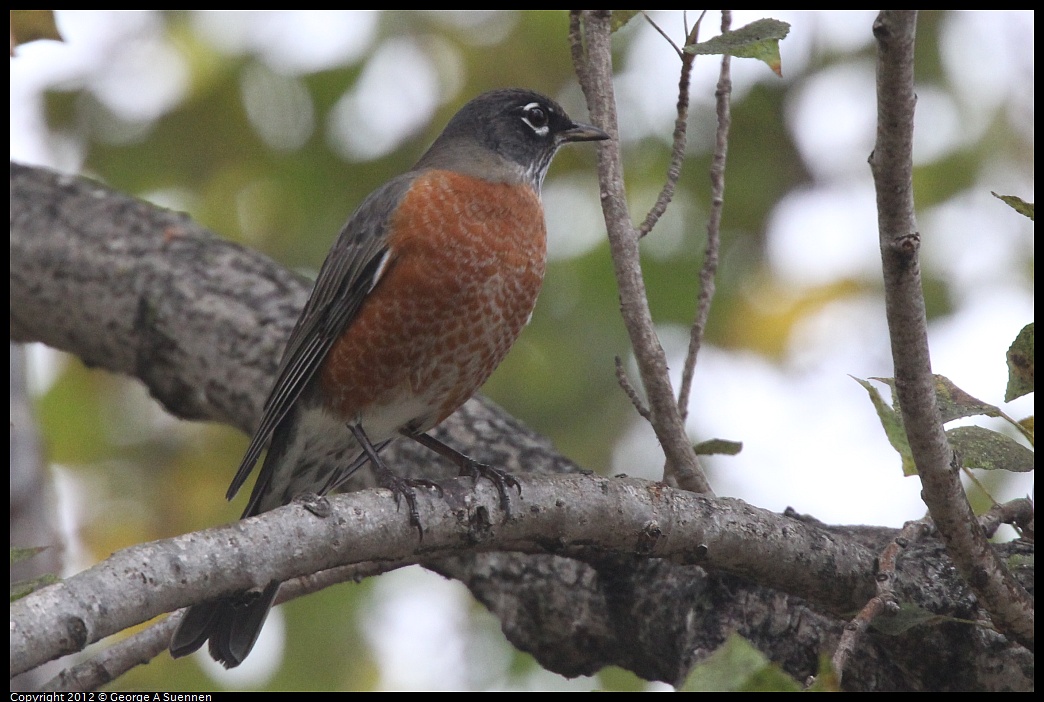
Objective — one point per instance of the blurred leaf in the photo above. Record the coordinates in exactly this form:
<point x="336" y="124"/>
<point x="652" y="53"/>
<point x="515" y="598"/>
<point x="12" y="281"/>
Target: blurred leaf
<point x="1016" y="203"/>
<point x="738" y="667"/>
<point x="74" y="405"/>
<point x="771" y="312"/>
<point x="905" y="619"/>
<point x="720" y="447"/>
<point x="19" y="555"/>
<point x="21" y="588"/>
<point x="616" y="679"/>
<point x="620" y="18"/>
<point x="757" y="40"/>
<point x="31" y="25"/>
<point x="989" y="450"/>
<point x="944" y="178"/>
<point x="1020" y="365"/>
<point x="826" y="678"/>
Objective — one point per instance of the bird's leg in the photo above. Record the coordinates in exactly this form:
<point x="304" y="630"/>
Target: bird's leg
<point x="401" y="487"/>
<point x="469" y="466"/>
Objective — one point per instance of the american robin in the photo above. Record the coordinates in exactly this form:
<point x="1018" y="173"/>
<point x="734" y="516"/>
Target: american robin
<point x="422" y="295"/>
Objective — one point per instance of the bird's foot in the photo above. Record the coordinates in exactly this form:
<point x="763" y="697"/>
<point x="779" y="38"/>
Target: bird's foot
<point x="501" y="479"/>
<point x="405" y="489"/>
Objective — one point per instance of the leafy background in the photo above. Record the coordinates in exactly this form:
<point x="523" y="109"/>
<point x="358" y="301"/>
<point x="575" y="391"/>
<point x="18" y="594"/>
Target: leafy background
<point x="270" y="127"/>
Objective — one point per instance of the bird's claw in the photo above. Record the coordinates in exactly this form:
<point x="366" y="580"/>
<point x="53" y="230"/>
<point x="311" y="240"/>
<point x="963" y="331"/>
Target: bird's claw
<point x="501" y="479"/>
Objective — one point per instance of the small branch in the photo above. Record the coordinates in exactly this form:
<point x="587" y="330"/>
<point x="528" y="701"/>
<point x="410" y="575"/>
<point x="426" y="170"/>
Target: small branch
<point x="891" y="162"/>
<point x="681" y="54"/>
<point x="595" y="72"/>
<point x="723" y="95"/>
<point x="1018" y="513"/>
<point x="885" y="601"/>
<point x="632" y="394"/>
<point x="142" y="647"/>
<point x="680" y="128"/>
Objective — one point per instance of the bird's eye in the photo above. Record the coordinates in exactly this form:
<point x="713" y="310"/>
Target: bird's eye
<point x="537" y="117"/>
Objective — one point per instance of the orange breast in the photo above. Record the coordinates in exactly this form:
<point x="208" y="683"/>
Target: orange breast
<point x="467" y="263"/>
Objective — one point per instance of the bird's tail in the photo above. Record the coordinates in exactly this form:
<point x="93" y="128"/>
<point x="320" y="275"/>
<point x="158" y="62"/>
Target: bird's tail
<point x="232" y="625"/>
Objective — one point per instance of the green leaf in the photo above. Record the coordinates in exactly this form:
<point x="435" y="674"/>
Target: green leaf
<point x="981" y="448"/>
<point x="757" y="40"/>
<point x="18" y="555"/>
<point x="738" y="666"/>
<point x="21" y="588"/>
<point x="892" y="423"/>
<point x="1016" y="203"/>
<point x="953" y="402"/>
<point x="1020" y="560"/>
<point x="1020" y="365"/>
<point x="977" y="447"/>
<point x="620" y="18"/>
<point x="720" y="447"/>
<point x="905" y="619"/>
<point x="826" y="677"/>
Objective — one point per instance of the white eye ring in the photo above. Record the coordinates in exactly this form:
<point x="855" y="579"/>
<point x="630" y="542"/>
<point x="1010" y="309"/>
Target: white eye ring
<point x="535" y="115"/>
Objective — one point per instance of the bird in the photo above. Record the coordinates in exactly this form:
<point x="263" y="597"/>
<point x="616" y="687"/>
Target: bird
<point x="422" y="295"/>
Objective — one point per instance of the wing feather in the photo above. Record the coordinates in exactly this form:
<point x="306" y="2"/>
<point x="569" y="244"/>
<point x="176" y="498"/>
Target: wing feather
<point x="352" y="268"/>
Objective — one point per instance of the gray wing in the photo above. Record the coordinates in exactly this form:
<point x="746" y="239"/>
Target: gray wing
<point x="351" y="270"/>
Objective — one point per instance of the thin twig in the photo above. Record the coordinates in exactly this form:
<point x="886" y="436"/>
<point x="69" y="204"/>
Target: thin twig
<point x="680" y="129"/>
<point x="632" y="394"/>
<point x="885" y="601"/>
<point x="663" y="34"/>
<point x="723" y="95"/>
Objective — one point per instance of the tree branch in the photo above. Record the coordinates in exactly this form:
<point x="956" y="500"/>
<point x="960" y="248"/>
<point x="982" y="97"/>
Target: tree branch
<point x="578" y="517"/>
<point x="723" y="99"/>
<point x="892" y="165"/>
<point x="681" y="123"/>
<point x="590" y="35"/>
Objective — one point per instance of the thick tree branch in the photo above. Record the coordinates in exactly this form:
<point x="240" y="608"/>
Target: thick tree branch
<point x="157" y="297"/>
<point x="578" y="517"/>
<point x="1010" y="606"/>
<point x="583" y="517"/>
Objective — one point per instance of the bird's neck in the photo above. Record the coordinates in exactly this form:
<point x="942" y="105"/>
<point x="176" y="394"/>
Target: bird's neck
<point x="478" y="162"/>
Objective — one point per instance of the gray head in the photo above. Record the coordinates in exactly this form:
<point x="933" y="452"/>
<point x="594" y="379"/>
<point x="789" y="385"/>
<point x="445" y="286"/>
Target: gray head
<point x="506" y="136"/>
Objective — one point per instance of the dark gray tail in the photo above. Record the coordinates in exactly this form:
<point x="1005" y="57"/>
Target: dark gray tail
<point x="232" y="625"/>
